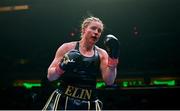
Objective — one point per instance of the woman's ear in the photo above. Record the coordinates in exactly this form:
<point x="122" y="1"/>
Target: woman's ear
<point x="82" y="31"/>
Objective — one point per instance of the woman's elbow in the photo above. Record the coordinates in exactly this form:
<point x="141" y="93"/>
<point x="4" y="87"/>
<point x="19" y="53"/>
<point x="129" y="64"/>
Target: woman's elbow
<point x="109" y="83"/>
<point x="52" y="77"/>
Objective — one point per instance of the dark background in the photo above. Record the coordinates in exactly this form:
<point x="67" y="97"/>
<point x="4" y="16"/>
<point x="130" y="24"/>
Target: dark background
<point x="147" y="29"/>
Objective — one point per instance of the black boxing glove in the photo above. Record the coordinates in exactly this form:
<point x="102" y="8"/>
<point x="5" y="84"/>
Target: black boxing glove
<point x="112" y="46"/>
<point x="70" y="60"/>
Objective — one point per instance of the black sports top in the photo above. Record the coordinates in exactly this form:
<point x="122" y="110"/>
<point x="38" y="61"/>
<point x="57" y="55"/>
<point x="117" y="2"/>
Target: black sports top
<point x="87" y="72"/>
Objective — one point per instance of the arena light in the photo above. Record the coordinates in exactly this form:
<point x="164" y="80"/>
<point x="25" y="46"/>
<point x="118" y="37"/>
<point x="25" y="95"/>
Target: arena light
<point x="100" y="84"/>
<point x="30" y="85"/>
<point x="14" y="8"/>
<point x="125" y="84"/>
<point x="131" y="83"/>
<point x="165" y="82"/>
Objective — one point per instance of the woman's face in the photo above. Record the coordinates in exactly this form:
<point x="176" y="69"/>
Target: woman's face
<point x="93" y="31"/>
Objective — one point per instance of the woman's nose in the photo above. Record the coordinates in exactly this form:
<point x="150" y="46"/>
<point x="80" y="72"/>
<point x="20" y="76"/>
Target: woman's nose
<point x="96" y="31"/>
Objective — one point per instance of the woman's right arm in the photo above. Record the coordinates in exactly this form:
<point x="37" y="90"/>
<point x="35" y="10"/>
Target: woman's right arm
<point x="54" y="71"/>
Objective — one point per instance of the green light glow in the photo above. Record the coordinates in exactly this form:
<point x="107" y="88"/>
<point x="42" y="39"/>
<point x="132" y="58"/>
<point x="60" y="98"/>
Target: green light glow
<point x="100" y="84"/>
<point x="165" y="82"/>
<point x="30" y="85"/>
<point x="125" y="84"/>
<point x="58" y="83"/>
<point x="132" y="83"/>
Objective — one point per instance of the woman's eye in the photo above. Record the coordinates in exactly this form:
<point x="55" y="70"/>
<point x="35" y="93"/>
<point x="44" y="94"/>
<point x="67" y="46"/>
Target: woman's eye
<point x="99" y="30"/>
<point x="93" y="28"/>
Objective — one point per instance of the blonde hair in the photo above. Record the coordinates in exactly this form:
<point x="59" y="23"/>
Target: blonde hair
<point x="88" y="20"/>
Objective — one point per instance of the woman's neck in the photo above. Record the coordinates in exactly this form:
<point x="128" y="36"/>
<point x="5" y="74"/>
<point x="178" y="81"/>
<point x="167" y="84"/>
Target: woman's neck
<point x="85" y="48"/>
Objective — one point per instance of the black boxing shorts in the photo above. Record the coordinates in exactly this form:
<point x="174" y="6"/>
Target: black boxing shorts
<point x="72" y="98"/>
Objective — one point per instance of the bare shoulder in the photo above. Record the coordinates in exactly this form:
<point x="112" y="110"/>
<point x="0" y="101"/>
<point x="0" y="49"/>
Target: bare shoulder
<point x="68" y="46"/>
<point x="65" y="47"/>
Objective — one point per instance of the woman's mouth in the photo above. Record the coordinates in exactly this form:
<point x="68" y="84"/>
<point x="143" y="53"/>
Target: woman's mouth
<point x="94" y="38"/>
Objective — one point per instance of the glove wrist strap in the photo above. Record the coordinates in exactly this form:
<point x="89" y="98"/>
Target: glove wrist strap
<point x="112" y="62"/>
